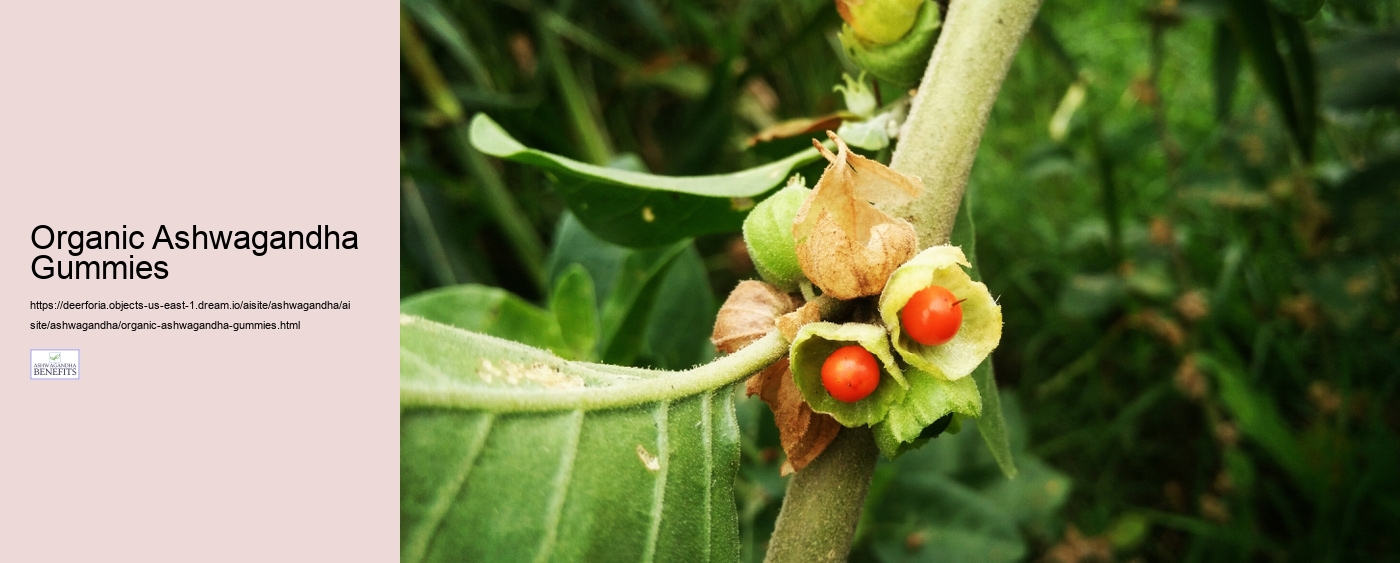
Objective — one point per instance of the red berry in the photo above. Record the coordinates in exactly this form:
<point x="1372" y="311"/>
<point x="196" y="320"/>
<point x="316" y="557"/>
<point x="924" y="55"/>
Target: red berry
<point x="932" y="316"/>
<point x="850" y="374"/>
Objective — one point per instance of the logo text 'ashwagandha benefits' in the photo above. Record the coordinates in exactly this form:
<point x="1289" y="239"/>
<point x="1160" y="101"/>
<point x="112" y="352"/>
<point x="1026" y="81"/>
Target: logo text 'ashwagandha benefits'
<point x="75" y="243"/>
<point x="54" y="364"/>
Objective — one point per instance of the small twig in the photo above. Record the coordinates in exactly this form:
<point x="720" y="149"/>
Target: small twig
<point x="808" y="294"/>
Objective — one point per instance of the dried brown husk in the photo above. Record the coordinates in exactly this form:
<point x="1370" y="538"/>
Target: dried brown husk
<point x="804" y="434"/>
<point x="748" y="313"/>
<point x="790" y="323"/>
<point x="845" y="245"/>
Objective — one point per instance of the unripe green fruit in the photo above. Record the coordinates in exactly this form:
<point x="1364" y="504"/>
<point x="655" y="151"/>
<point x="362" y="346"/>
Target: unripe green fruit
<point x="879" y="22"/>
<point x="901" y="62"/>
<point x="768" y="234"/>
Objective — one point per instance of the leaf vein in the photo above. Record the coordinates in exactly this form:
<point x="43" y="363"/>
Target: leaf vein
<point x="659" y="489"/>
<point x="562" y="478"/>
<point x="428" y="530"/>
<point x="707" y="439"/>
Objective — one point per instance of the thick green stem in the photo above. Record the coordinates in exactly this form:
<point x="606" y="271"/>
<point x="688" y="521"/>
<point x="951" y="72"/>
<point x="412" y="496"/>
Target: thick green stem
<point x="940" y="139"/>
<point x="824" y="501"/>
<point x="939" y="144"/>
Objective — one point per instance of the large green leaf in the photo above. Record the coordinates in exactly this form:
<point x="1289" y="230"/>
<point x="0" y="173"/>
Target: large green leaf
<point x="637" y="209"/>
<point x="627" y="286"/>
<point x="683" y="315"/>
<point x="509" y="453"/>
<point x="575" y="307"/>
<point x="991" y="424"/>
<point x="489" y="310"/>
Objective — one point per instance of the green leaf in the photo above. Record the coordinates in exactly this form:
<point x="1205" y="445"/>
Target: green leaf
<point x="1301" y="9"/>
<point x="951" y="520"/>
<point x="1290" y="81"/>
<point x="442" y="25"/>
<point x="929" y="398"/>
<point x="576" y="309"/>
<point x="991" y="424"/>
<point x="627" y="282"/>
<point x="1360" y="71"/>
<point x="1225" y="66"/>
<point x="489" y="310"/>
<point x="1258" y="418"/>
<point x="509" y="453"/>
<point x="682" y="314"/>
<point x="628" y="308"/>
<point x="642" y="210"/>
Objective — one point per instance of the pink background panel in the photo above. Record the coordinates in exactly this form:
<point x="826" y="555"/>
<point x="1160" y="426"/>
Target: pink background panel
<point x="202" y="446"/>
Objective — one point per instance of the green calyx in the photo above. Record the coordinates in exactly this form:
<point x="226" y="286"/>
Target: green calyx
<point x="768" y="234"/>
<point x="860" y="99"/>
<point x="901" y="62"/>
<point x="981" y="324"/>
<point x="929" y="399"/>
<point x="810" y="349"/>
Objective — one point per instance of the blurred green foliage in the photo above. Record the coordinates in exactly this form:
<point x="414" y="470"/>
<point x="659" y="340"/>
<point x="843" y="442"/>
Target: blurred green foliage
<point x="1187" y="209"/>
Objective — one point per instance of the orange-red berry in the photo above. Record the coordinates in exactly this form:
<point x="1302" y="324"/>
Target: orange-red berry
<point x="932" y="316"/>
<point x="850" y="374"/>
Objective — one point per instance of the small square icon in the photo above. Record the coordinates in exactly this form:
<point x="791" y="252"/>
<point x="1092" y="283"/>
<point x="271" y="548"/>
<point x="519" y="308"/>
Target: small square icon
<point x="54" y="364"/>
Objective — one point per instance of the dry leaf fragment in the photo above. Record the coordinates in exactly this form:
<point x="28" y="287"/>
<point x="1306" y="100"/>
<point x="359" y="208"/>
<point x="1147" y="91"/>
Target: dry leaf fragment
<point x="845" y="245"/>
<point x="804" y="434"/>
<point x="748" y="314"/>
<point x="800" y="126"/>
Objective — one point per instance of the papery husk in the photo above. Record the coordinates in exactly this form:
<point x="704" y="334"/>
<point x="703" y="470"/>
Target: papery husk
<point x="790" y="323"/>
<point x="845" y="245"/>
<point x="981" y="324"/>
<point x="804" y="434"/>
<point x="815" y="342"/>
<point x="748" y="313"/>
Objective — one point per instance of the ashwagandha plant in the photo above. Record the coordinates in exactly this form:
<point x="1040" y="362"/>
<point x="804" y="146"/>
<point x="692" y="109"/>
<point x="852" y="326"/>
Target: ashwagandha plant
<point x="869" y="336"/>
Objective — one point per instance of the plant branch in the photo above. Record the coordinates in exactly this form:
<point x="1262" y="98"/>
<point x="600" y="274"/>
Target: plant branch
<point x="939" y="140"/>
<point x="824" y="501"/>
<point x="939" y="144"/>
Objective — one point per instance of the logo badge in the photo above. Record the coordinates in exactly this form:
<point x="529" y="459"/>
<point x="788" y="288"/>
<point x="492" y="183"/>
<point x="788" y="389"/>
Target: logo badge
<point x="53" y="364"/>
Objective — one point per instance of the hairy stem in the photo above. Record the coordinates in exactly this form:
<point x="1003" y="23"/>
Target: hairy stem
<point x="824" y="501"/>
<point x="940" y="139"/>
<point x="938" y="143"/>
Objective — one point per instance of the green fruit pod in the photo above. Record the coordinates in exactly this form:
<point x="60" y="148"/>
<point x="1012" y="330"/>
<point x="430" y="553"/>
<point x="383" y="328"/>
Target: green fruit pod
<point x="902" y="62"/>
<point x="980" y="331"/>
<point x="768" y="234"/>
<point x="815" y="342"/>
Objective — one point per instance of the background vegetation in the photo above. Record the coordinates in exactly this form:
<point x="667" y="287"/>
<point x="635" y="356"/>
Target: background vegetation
<point x="1188" y="211"/>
